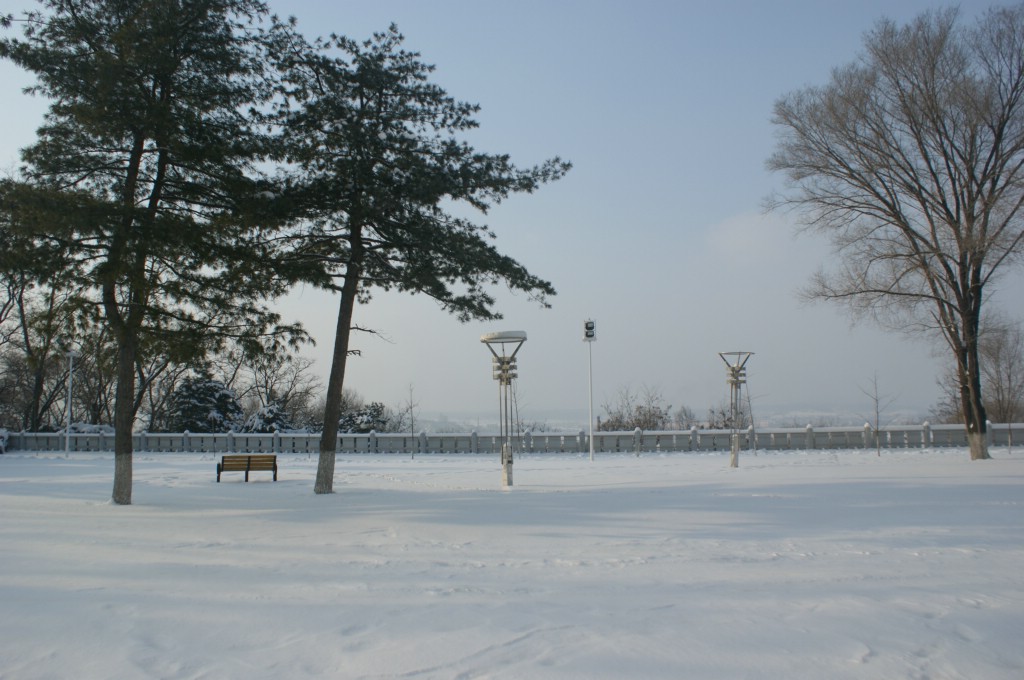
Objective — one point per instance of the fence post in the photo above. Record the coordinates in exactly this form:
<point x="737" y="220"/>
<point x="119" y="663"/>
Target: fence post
<point x="474" y="441"/>
<point x="809" y="444"/>
<point x="581" y="440"/>
<point x="185" y="446"/>
<point x="638" y="438"/>
<point x="988" y="433"/>
<point x="423" y="441"/>
<point x="528" y="442"/>
<point x="371" y="443"/>
<point x="926" y="435"/>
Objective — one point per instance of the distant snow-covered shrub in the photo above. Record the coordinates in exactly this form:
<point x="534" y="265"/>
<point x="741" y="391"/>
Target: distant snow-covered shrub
<point x="269" y="418"/>
<point x="203" y="404"/>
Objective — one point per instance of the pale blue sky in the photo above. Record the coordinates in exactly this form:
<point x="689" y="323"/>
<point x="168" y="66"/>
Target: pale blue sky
<point x="657" y="233"/>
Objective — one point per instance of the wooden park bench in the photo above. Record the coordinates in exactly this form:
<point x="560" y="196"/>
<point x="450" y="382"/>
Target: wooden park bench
<point x="247" y="464"/>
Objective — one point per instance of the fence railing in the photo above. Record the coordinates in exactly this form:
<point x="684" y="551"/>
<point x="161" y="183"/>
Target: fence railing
<point x="637" y="441"/>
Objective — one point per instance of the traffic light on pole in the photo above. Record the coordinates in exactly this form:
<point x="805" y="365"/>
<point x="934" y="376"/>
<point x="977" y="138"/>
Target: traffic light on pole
<point x="589" y="330"/>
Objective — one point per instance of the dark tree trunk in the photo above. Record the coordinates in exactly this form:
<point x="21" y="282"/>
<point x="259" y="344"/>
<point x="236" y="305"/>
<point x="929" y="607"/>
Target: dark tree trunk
<point x="124" y="419"/>
<point x="975" y="417"/>
<point x="34" y="417"/>
<point x="125" y="327"/>
<point x="37" y="360"/>
<point x="336" y="381"/>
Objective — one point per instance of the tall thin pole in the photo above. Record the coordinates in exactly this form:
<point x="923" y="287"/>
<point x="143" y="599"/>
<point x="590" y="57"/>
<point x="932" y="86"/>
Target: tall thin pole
<point x="590" y="385"/>
<point x="67" y="432"/>
<point x="589" y="336"/>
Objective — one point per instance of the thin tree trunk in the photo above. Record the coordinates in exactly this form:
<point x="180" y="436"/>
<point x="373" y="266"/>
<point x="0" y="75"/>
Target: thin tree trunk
<point x="37" y="360"/>
<point x="336" y="381"/>
<point x="34" y="417"/>
<point x="125" y="325"/>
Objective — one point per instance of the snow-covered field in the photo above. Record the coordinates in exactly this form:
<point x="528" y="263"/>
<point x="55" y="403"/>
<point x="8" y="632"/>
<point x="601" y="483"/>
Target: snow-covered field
<point x="795" y="565"/>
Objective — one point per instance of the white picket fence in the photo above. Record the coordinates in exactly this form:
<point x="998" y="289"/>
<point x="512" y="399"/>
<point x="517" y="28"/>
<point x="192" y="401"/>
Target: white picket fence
<point x="693" y="440"/>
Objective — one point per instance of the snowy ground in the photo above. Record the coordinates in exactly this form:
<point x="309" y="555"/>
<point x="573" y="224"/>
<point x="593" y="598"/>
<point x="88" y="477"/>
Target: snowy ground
<point x="811" y="565"/>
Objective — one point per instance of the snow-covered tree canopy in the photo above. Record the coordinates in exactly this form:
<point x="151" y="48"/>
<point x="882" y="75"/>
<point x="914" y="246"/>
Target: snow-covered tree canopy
<point x="203" y="404"/>
<point x="269" y="418"/>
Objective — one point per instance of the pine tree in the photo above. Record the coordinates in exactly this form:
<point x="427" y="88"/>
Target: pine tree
<point x="269" y="418"/>
<point x="143" y="174"/>
<point x="372" y="417"/>
<point x="378" y="157"/>
<point x="202" y="404"/>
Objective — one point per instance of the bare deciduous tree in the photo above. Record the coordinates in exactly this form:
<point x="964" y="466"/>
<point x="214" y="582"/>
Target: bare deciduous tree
<point x="911" y="160"/>
<point x="1001" y="350"/>
<point x="684" y="418"/>
<point x="721" y="418"/>
<point x="286" y="380"/>
<point x="8" y="303"/>
<point x="407" y="412"/>
<point x="1002" y="366"/>
<point x="156" y="396"/>
<point x="44" y="319"/>
<point x="879" y="403"/>
<point x="644" y="409"/>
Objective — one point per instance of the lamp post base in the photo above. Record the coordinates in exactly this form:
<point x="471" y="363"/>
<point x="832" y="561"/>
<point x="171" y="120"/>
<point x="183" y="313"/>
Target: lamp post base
<point x="506" y="466"/>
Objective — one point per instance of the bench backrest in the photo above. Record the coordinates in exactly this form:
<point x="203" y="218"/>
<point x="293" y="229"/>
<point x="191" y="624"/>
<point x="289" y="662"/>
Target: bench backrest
<point x="256" y="462"/>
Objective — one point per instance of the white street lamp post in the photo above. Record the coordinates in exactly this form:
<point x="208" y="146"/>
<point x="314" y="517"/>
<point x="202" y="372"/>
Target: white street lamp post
<point x="504" y="371"/>
<point x="735" y="363"/>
